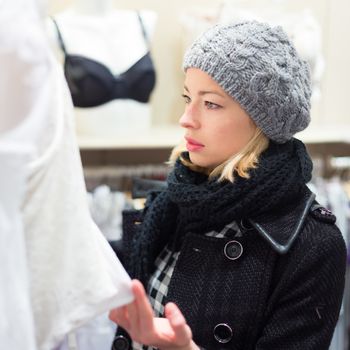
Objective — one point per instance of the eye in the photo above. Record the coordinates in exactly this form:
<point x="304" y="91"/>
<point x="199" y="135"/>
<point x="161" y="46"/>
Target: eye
<point x="211" y="105"/>
<point x="187" y="98"/>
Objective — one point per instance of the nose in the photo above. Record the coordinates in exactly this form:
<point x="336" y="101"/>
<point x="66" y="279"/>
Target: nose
<point x="189" y="119"/>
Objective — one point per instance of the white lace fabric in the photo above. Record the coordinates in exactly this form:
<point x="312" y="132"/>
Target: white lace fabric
<point x="72" y="273"/>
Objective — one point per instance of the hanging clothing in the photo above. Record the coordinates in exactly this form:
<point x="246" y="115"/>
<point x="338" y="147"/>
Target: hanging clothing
<point x="333" y="196"/>
<point x="17" y="329"/>
<point x="91" y="83"/>
<point x="73" y="273"/>
<point x="98" y="334"/>
<point x="16" y="320"/>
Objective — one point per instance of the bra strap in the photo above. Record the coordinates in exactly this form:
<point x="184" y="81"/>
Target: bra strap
<point x="60" y="38"/>
<point x="144" y="32"/>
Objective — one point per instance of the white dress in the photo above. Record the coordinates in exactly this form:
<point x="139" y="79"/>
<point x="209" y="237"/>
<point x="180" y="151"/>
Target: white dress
<point x="73" y="273"/>
<point x="16" y="319"/>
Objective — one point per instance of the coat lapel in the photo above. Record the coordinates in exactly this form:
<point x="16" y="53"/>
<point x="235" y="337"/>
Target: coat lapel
<point x="280" y="231"/>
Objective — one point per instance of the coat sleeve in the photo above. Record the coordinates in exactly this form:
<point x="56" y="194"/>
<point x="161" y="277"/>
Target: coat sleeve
<point x="305" y="315"/>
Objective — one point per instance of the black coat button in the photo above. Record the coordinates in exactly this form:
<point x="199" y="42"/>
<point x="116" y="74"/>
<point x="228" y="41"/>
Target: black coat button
<point x="121" y="343"/>
<point x="223" y="333"/>
<point x="233" y="250"/>
<point x="245" y="225"/>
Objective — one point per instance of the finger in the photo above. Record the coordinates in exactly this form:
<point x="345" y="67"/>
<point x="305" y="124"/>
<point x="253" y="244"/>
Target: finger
<point x="115" y="313"/>
<point x="144" y="308"/>
<point x="134" y="317"/>
<point x="182" y="331"/>
<point x="120" y="316"/>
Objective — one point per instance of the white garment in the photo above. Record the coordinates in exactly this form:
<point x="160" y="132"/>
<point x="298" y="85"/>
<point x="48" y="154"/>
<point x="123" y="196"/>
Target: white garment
<point x="16" y="321"/>
<point x="97" y="334"/>
<point x="106" y="209"/>
<point x="16" y="318"/>
<point x="74" y="275"/>
<point x="339" y="203"/>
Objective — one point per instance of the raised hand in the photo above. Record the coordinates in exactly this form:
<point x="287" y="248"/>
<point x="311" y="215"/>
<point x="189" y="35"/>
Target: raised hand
<point x="137" y="318"/>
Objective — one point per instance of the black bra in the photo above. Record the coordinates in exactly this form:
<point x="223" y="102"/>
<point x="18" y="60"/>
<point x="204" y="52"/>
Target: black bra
<point x="92" y="84"/>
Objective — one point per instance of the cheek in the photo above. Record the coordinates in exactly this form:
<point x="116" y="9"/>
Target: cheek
<point x="233" y="136"/>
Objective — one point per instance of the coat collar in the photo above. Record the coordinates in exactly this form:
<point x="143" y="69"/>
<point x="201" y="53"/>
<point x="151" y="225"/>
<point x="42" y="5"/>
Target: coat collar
<point x="280" y="230"/>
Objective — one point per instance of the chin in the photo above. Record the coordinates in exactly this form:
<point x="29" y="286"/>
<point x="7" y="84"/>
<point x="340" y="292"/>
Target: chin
<point x="201" y="161"/>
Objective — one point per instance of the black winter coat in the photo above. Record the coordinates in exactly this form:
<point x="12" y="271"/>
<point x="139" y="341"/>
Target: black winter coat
<point x="279" y="286"/>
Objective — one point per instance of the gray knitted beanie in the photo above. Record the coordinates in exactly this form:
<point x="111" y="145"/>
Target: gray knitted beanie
<point x="258" y="66"/>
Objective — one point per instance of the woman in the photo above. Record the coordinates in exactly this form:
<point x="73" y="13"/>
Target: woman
<point x="236" y="253"/>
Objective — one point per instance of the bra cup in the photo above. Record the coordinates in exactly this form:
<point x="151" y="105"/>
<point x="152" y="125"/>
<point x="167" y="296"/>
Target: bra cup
<point x="142" y="91"/>
<point x="141" y="79"/>
<point x="90" y="83"/>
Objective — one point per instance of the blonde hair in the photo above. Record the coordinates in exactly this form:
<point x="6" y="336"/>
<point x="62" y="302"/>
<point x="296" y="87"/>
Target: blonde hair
<point x="240" y="163"/>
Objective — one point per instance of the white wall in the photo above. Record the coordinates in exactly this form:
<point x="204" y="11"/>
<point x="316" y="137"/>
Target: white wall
<point x="337" y="76"/>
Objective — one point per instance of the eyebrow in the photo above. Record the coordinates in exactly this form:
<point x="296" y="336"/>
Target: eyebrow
<point x="204" y="92"/>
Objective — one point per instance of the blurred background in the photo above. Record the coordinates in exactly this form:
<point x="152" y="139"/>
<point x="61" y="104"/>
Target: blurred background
<point x="324" y="23"/>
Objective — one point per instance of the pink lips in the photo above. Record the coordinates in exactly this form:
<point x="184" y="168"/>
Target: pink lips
<point x="193" y="145"/>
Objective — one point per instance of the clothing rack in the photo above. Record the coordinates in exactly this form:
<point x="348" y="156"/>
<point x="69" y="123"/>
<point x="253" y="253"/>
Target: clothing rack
<point x="119" y="178"/>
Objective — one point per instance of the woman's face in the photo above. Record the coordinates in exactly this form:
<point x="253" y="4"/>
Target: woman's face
<point x="216" y="126"/>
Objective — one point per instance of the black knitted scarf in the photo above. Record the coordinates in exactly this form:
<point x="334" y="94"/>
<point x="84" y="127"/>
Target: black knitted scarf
<point x="194" y="203"/>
